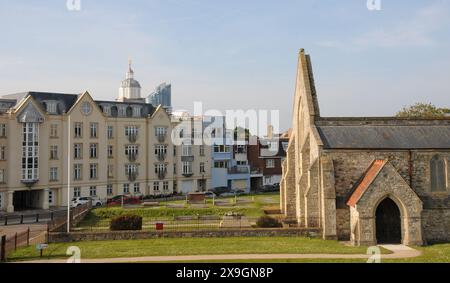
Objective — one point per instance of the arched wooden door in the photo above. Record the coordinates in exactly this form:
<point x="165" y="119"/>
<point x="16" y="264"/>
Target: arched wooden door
<point x="388" y="223"/>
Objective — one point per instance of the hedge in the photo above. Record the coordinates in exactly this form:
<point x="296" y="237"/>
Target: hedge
<point x="126" y="222"/>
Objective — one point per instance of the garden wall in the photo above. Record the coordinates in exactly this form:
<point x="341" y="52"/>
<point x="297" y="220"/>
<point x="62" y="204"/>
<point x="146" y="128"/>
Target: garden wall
<point x="60" y="237"/>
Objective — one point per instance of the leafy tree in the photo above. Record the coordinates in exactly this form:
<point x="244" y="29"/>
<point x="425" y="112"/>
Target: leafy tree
<point x="423" y="110"/>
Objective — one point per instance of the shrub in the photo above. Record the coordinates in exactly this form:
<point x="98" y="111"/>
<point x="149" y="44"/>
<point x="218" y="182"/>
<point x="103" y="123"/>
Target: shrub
<point x="268" y="222"/>
<point x="126" y="222"/>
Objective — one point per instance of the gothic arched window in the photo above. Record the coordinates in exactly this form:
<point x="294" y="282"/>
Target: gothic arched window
<point x="438" y="176"/>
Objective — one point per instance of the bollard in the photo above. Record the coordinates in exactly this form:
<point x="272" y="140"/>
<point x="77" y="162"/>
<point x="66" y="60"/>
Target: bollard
<point x="15" y="242"/>
<point x="37" y="217"/>
<point x="6" y="220"/>
<point x="28" y="236"/>
<point x="21" y="219"/>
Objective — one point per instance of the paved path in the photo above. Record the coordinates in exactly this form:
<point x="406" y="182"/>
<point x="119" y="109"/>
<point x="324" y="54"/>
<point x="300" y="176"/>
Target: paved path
<point x="398" y="251"/>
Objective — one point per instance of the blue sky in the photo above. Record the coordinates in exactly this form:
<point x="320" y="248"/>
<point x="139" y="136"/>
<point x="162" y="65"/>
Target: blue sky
<point x="233" y="54"/>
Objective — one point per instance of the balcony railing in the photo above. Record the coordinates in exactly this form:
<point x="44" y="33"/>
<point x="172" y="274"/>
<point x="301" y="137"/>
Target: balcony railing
<point x="162" y="174"/>
<point x="161" y="137"/>
<point x="132" y="137"/>
<point x="187" y="174"/>
<point x="238" y="170"/>
<point x="161" y="156"/>
<point x="132" y="157"/>
<point x="132" y="176"/>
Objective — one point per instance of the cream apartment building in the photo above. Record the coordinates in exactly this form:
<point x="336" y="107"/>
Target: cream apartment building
<point x="50" y="142"/>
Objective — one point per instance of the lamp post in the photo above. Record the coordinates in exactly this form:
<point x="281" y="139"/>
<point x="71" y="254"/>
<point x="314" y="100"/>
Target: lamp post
<point x="68" y="175"/>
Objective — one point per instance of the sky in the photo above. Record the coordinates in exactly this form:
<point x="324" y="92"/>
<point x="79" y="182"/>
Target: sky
<point x="233" y="54"/>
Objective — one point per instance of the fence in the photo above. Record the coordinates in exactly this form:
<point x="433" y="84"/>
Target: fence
<point x="32" y="235"/>
<point x="55" y="221"/>
<point x="30" y="218"/>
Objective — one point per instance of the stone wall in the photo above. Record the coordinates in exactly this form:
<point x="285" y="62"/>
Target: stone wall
<point x="436" y="225"/>
<point x="134" y="235"/>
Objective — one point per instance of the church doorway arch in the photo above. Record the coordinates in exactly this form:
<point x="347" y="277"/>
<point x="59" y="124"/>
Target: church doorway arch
<point x="388" y="223"/>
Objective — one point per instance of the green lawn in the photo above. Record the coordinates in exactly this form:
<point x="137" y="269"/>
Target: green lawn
<point x="249" y="205"/>
<point x="192" y="246"/>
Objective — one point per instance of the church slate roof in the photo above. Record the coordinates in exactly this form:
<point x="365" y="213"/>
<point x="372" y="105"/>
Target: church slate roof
<point x="385" y="136"/>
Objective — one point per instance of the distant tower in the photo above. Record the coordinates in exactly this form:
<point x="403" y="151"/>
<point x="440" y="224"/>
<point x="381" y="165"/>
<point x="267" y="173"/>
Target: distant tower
<point x="130" y="89"/>
<point x="162" y="96"/>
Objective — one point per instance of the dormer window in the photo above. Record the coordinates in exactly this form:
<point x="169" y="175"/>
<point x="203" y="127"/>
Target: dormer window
<point x="136" y="111"/>
<point x="51" y="107"/>
<point x="107" y="110"/>
<point x="122" y="110"/>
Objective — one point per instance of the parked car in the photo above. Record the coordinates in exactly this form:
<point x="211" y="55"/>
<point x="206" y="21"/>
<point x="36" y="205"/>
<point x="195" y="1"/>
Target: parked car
<point x="82" y="200"/>
<point x="220" y="190"/>
<point x="233" y="192"/>
<point x="269" y="188"/>
<point x="210" y="194"/>
<point x="117" y="200"/>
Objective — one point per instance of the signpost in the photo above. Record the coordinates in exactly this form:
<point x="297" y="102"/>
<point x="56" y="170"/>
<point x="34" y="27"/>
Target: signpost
<point x="41" y="247"/>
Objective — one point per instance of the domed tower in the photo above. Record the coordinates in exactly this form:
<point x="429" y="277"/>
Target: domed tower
<point x="130" y="88"/>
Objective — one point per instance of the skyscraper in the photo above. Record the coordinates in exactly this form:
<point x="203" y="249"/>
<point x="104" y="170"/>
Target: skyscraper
<point x="162" y="96"/>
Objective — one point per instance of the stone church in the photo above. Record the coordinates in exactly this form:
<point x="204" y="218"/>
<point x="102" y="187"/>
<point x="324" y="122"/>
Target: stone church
<point x="365" y="180"/>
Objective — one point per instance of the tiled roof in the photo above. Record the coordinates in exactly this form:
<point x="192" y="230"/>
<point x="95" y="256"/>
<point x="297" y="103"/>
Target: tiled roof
<point x="368" y="177"/>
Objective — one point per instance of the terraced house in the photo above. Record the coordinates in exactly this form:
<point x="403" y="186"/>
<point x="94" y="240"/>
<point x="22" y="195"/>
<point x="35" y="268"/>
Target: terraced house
<point x="52" y="141"/>
<point x="368" y="180"/>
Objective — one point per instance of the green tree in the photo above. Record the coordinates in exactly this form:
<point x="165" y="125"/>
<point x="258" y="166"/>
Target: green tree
<point x="423" y="110"/>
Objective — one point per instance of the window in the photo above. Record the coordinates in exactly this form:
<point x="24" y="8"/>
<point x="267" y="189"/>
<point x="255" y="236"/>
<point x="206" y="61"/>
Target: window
<point x="50" y="197"/>
<point x="136" y="112"/>
<point x="93" y="171"/>
<point x="53" y="152"/>
<point x="126" y="188"/>
<point x="93" y="191"/>
<point x="241" y="163"/>
<point x="76" y="192"/>
<point x="174" y="151"/>
<point x="93" y="150"/>
<point x="77" y="171"/>
<point x="30" y="151"/>
<point x="78" y="151"/>
<point x="161" y="151"/>
<point x="78" y="130"/>
<point x="221" y="164"/>
<point x="186" y="150"/>
<point x="202" y="167"/>
<point x="53" y="131"/>
<point x="438" y="173"/>
<point x="270" y="163"/>
<point x="2" y="176"/>
<point x="86" y="108"/>
<point x="109" y="189"/>
<point x="107" y="110"/>
<point x="160" y="168"/>
<point x="110" y="171"/>
<point x="221" y="148"/>
<point x="160" y="131"/>
<point x="165" y="186"/>
<point x="3" y="153"/>
<point x="130" y="169"/>
<point x="53" y="174"/>
<point x="131" y="131"/>
<point x="131" y="149"/>
<point x="136" y="188"/>
<point x="110" y="151"/>
<point x="0" y="200"/>
<point x="2" y="130"/>
<point x="110" y="132"/>
<point x="156" y="186"/>
<point x="174" y="186"/>
<point x="94" y="127"/>
<point x="174" y="168"/>
<point x="51" y="107"/>
<point x="202" y="150"/>
<point x="187" y="167"/>
<point x="241" y="149"/>
<point x="122" y="110"/>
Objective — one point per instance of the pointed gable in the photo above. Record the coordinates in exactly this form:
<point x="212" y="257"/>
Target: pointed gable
<point x="30" y="113"/>
<point x="367" y="179"/>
